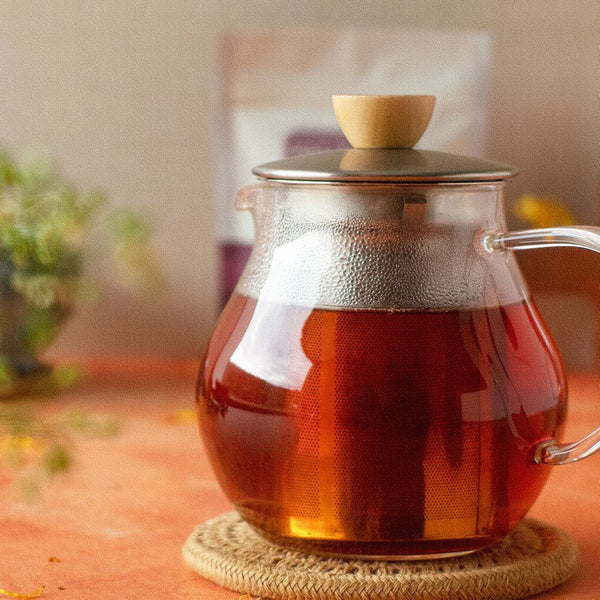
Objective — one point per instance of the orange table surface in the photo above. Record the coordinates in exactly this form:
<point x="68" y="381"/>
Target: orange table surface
<point x="113" y="525"/>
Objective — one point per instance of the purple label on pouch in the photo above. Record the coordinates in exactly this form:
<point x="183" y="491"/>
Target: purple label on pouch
<point x="233" y="260"/>
<point x="305" y="141"/>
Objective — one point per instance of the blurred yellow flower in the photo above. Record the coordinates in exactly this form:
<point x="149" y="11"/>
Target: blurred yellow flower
<point x="16" y="451"/>
<point x="542" y="212"/>
<point x="182" y="416"/>
<point x="21" y="443"/>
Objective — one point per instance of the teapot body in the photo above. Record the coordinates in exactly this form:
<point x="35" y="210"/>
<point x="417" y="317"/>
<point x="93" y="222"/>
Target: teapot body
<point x="377" y="382"/>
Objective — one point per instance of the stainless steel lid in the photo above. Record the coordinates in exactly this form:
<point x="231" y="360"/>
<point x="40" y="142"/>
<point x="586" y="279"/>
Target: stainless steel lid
<point x="382" y="131"/>
<point x="390" y="165"/>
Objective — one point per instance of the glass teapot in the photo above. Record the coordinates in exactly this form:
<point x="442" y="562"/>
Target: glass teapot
<point x="381" y="384"/>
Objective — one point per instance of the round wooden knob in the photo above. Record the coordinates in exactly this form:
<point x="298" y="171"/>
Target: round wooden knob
<point x="383" y="121"/>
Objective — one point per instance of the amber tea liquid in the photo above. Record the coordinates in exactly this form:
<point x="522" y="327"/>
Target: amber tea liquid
<point x="376" y="432"/>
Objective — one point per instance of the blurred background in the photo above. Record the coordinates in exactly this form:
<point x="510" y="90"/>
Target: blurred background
<point x="125" y="97"/>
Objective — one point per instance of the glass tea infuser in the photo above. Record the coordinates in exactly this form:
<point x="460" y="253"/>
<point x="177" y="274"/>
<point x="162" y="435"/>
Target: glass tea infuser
<point x="381" y="384"/>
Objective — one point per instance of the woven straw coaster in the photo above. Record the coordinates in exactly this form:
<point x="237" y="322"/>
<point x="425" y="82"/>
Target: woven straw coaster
<point x="533" y="558"/>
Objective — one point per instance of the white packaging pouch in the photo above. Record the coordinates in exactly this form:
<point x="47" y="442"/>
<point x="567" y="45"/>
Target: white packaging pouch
<point x="275" y="91"/>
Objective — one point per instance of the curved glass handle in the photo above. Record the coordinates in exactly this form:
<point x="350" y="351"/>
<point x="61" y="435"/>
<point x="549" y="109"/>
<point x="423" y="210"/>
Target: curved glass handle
<point x="579" y="237"/>
<point x="549" y="451"/>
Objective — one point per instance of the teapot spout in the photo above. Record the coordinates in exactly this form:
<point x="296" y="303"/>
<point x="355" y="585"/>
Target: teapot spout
<point x="245" y="199"/>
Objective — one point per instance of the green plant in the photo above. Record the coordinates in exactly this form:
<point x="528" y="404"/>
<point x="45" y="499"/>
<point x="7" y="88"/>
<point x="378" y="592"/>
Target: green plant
<point x="46" y="227"/>
<point x="35" y="448"/>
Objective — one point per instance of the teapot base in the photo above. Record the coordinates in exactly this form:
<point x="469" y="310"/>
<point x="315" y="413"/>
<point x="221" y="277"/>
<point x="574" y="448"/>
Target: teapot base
<point x="394" y="550"/>
<point x="332" y="539"/>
